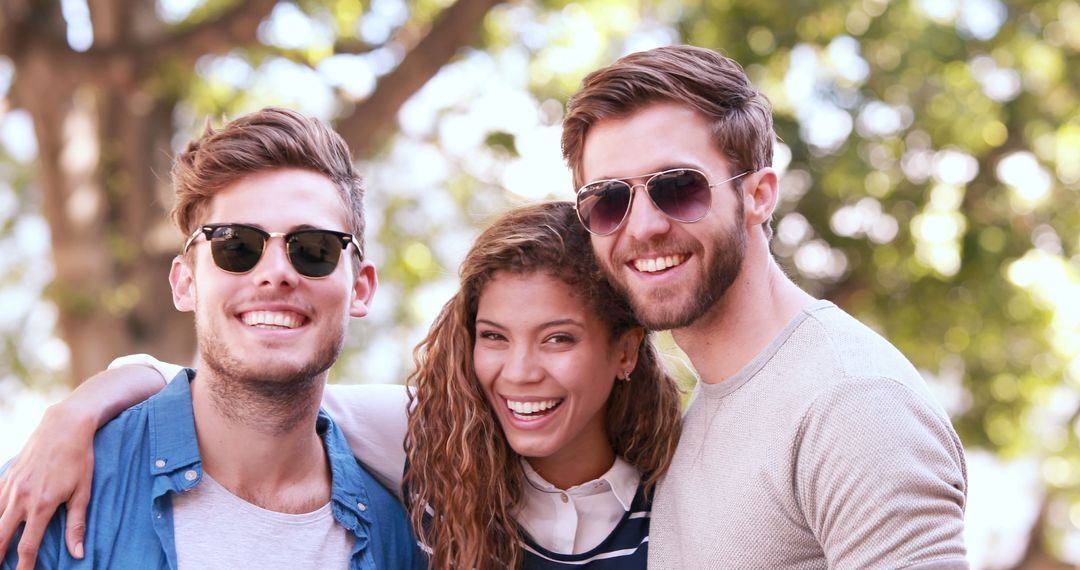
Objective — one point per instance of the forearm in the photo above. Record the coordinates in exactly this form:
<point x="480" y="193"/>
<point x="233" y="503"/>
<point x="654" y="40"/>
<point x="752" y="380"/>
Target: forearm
<point x="104" y="395"/>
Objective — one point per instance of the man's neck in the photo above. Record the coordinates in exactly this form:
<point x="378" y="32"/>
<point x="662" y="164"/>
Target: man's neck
<point x="742" y="323"/>
<point x="264" y="451"/>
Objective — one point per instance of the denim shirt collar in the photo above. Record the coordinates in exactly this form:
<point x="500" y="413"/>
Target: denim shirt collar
<point x="173" y="444"/>
<point x="347" y="488"/>
<point x="175" y="464"/>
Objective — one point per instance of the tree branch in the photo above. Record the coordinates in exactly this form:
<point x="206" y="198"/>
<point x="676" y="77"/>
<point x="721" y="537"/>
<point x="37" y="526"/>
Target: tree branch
<point x="16" y="19"/>
<point x="372" y="118"/>
<point x="303" y="57"/>
<point x="7" y="36"/>
<point x="110" y="20"/>
<point x="352" y="46"/>
<point x="35" y="35"/>
<point x="235" y="28"/>
<point x="1035" y="555"/>
<point x="13" y="16"/>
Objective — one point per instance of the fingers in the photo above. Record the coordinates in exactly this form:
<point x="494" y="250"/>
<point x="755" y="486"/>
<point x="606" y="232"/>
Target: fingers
<point x="8" y="523"/>
<point x="75" y="528"/>
<point x="15" y="494"/>
<point x="31" y="541"/>
<point x="54" y="467"/>
<point x="12" y="495"/>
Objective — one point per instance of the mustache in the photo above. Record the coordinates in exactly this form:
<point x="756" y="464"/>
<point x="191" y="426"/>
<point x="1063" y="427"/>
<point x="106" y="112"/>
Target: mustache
<point x="634" y="248"/>
<point x="270" y="298"/>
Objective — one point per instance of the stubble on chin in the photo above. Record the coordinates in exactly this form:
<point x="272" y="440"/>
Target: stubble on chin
<point x="662" y="308"/>
<point x="274" y="397"/>
<point x="679" y="306"/>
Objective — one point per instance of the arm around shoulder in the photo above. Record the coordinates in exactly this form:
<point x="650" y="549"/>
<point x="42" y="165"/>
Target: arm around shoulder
<point x="54" y="466"/>
<point x="374" y="418"/>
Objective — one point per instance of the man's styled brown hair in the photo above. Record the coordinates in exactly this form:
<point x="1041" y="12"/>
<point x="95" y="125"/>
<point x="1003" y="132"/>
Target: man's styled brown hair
<point x="264" y="140"/>
<point x="699" y="78"/>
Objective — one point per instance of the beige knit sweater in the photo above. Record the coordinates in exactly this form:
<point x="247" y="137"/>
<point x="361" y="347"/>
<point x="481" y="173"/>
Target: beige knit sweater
<point x="826" y="451"/>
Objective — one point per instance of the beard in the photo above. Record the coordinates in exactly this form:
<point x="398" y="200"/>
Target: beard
<point x="666" y="308"/>
<point x="276" y="396"/>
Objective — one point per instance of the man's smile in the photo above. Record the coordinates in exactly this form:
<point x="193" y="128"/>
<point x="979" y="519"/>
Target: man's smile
<point x="273" y="319"/>
<point x="658" y="263"/>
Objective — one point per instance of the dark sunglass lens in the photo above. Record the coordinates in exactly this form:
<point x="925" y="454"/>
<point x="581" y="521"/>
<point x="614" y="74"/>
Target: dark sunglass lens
<point x="602" y="205"/>
<point x="314" y="253"/>
<point x="236" y="248"/>
<point x="682" y="194"/>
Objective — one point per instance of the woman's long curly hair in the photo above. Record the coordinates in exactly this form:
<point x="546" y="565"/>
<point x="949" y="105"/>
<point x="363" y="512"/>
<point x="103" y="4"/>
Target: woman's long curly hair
<point x="464" y="481"/>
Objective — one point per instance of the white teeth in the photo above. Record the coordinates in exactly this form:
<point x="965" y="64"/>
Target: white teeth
<point x="278" y="319"/>
<point x="658" y="263"/>
<point x="531" y="407"/>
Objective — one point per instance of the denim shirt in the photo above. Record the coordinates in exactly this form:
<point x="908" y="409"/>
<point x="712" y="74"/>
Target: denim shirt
<point x="150" y="452"/>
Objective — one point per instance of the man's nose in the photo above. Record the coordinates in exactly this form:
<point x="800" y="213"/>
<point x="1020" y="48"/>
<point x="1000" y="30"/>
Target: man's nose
<point x="645" y="220"/>
<point x="274" y="267"/>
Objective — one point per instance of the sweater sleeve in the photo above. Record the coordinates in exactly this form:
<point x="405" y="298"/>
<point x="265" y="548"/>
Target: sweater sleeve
<point x="881" y="478"/>
<point x="374" y="420"/>
<point x="167" y="370"/>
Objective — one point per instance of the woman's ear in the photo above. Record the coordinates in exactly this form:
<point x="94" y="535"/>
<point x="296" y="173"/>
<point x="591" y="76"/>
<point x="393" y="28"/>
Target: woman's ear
<point x="627" y="347"/>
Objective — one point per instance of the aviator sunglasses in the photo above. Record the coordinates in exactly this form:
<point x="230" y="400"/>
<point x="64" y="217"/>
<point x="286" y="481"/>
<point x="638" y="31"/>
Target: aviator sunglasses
<point x="682" y="194"/>
<point x="237" y="248"/>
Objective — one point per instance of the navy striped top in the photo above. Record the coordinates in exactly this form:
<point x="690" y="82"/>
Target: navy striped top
<point x="625" y="548"/>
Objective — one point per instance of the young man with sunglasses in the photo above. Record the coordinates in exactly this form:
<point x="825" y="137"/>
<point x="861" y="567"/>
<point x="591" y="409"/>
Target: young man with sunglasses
<point x="811" y="442"/>
<point x="237" y="466"/>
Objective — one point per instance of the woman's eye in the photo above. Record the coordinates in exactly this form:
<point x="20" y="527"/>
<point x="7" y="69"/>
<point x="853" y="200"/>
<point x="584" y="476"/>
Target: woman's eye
<point x="490" y="335"/>
<point x="560" y="339"/>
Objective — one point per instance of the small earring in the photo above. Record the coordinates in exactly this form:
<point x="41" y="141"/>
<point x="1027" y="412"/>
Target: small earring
<point x="625" y="376"/>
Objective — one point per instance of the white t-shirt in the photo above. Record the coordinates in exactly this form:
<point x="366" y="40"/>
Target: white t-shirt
<point x="216" y="529"/>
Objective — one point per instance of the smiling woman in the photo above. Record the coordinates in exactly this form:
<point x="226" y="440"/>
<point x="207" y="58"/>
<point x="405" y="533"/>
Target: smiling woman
<point x="522" y="441"/>
<point x="548" y="367"/>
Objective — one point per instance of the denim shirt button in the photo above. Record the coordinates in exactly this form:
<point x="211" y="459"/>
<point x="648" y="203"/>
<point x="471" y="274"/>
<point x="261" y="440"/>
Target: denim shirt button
<point x="361" y="506"/>
<point x="190" y="475"/>
<point x="159" y="463"/>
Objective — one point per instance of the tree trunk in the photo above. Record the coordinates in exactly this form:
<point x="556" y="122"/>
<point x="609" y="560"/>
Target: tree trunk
<point x="101" y="160"/>
<point x="1035" y="556"/>
<point x="104" y="155"/>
